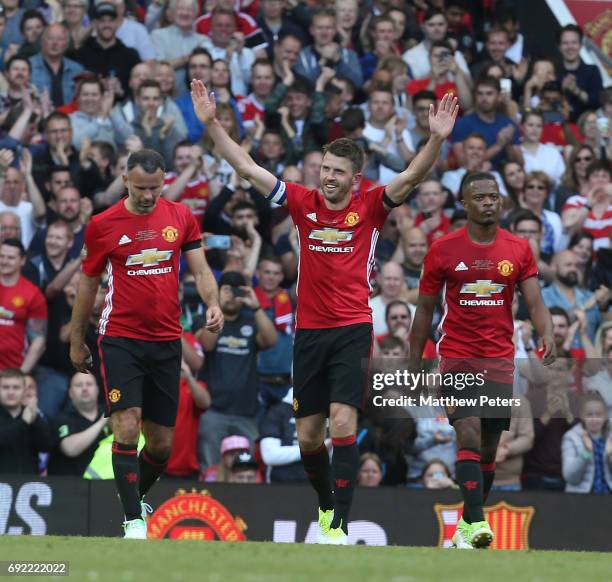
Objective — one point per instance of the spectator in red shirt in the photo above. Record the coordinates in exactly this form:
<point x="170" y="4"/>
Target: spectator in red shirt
<point x="431" y="219"/>
<point x="193" y="400"/>
<point x="23" y="312"/>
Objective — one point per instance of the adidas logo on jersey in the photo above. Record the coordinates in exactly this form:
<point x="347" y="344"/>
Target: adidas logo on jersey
<point x="125" y="239"/>
<point x="312" y="216"/>
<point x="461" y="267"/>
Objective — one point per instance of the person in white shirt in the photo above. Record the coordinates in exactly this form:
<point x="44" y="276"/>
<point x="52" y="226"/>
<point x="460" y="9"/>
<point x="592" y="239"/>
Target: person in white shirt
<point x="434" y="28"/>
<point x="474" y="152"/>
<point x="384" y="128"/>
<point x="175" y="42"/>
<point x="539" y="156"/>
<point x="392" y="286"/>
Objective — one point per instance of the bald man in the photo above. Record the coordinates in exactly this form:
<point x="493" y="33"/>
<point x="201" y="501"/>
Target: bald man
<point x="411" y="252"/>
<point x="392" y="286"/>
<point x="565" y="292"/>
<point x="50" y="63"/>
<point x="10" y="225"/>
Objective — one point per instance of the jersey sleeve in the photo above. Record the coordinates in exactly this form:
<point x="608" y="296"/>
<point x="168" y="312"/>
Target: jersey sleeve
<point x="377" y="210"/>
<point x="529" y="267"/>
<point x="295" y="194"/>
<point x="433" y="276"/>
<point x="94" y="254"/>
<point x="192" y="238"/>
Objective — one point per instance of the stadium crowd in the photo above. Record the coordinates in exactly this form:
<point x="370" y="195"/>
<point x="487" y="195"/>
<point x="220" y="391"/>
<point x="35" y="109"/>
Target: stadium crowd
<point x="83" y="84"/>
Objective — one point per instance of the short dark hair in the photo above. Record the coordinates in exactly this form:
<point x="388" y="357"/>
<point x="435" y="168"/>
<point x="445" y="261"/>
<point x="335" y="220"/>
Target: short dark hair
<point x="599" y="166"/>
<point x="244" y="205"/>
<point x="14" y="58"/>
<point x="556" y="310"/>
<point x="57" y="169"/>
<point x="391" y="342"/>
<point x="107" y="151"/>
<point x="148" y="84"/>
<point x="347" y="148"/>
<point x="487" y="81"/>
<point x="472" y="177"/>
<point x="431" y="12"/>
<point x="300" y="85"/>
<point x="424" y="95"/>
<point x="12" y="372"/>
<point x="56" y="116"/>
<point x="524" y="214"/>
<point x="89" y="80"/>
<point x="149" y="160"/>
<point x="393" y="304"/>
<point x="570" y="28"/>
<point x="352" y="118"/>
<point x="31" y="15"/>
<point x="15" y="242"/>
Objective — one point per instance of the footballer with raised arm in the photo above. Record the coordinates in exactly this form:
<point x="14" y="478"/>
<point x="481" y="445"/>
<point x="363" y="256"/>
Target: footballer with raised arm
<point x="337" y="233"/>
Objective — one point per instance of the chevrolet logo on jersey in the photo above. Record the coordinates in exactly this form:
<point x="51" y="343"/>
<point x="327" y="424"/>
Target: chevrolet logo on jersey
<point x="331" y="236"/>
<point x="6" y="313"/>
<point x="149" y="258"/>
<point x="482" y="288"/>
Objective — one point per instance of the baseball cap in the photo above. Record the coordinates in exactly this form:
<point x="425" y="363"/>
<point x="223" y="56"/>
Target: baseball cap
<point x="244" y="461"/>
<point x="104" y="9"/>
<point x="233" y="279"/>
<point x="235" y="443"/>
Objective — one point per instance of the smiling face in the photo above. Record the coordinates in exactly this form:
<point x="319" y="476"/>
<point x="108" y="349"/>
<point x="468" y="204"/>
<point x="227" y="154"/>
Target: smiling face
<point x="18" y="74"/>
<point x="535" y="193"/>
<point x="569" y="45"/>
<point x="270" y="276"/>
<point x="11" y="260"/>
<point x="90" y="98"/>
<point x="58" y="241"/>
<point x="498" y="44"/>
<point x="337" y="178"/>
<point x="583" y="250"/>
<point x="482" y="202"/>
<point x="381" y="106"/>
<point x="594" y="416"/>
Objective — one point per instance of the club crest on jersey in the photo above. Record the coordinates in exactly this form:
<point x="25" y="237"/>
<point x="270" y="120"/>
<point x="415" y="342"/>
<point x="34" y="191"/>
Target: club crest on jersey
<point x="352" y="218"/>
<point x="169" y="234"/>
<point x="331" y="236"/>
<point x="114" y="395"/>
<point x="505" y="267"/>
<point x="18" y="301"/>
<point x="149" y="258"/>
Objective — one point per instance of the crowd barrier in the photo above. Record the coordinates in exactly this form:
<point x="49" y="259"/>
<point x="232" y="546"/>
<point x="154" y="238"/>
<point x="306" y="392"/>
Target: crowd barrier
<point x="384" y="516"/>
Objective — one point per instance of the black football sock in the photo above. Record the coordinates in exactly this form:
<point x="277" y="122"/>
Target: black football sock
<point x="150" y="469"/>
<point x="125" y="467"/>
<point x="488" y="476"/>
<point x="316" y="465"/>
<point x="469" y="477"/>
<point x="345" y="466"/>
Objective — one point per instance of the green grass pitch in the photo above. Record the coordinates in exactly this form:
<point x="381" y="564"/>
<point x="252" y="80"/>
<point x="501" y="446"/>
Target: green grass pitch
<point x="118" y="560"/>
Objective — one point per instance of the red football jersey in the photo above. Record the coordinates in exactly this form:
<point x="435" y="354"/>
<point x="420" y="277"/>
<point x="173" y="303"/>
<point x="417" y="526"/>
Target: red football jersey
<point x="18" y="304"/>
<point x="478" y="284"/>
<point x="195" y="195"/>
<point x="336" y="256"/>
<point x="141" y="256"/>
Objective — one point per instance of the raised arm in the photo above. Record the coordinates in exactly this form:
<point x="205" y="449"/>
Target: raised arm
<point x="440" y="124"/>
<point x="205" y="108"/>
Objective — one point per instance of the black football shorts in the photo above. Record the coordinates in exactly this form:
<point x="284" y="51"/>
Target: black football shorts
<point x="143" y="374"/>
<point x="494" y="413"/>
<point x="330" y="365"/>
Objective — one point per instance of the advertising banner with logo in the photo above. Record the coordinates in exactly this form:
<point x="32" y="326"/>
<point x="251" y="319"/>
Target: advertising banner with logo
<point x="286" y="514"/>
